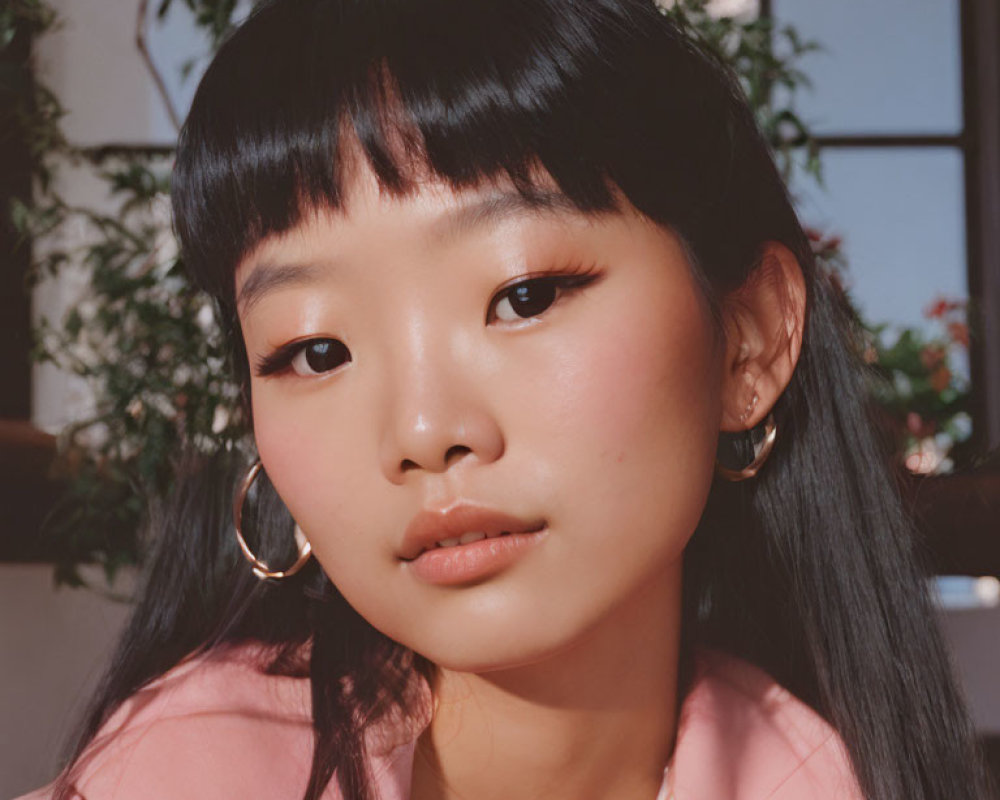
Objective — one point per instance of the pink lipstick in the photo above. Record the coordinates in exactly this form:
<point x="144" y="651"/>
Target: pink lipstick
<point x="466" y="543"/>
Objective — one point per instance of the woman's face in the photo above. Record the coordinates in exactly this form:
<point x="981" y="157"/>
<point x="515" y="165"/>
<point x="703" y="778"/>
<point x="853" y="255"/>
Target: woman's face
<point x="450" y="365"/>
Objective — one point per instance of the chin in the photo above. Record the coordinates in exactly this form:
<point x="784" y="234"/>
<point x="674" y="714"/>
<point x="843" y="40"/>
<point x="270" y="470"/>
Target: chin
<point x="484" y="646"/>
<point x="486" y="657"/>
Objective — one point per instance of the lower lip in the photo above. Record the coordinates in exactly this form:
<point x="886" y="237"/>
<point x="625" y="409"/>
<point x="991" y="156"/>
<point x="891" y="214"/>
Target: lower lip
<point x="465" y="563"/>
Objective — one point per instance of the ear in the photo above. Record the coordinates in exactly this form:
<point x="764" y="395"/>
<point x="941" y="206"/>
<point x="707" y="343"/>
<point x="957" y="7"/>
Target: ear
<point x="763" y="321"/>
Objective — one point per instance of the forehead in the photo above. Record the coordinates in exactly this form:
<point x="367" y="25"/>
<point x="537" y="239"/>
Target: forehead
<point x="431" y="208"/>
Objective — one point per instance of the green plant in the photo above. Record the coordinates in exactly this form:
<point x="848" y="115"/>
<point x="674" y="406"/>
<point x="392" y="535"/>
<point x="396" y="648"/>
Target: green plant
<point x="916" y="375"/>
<point x="141" y="336"/>
<point x="765" y="56"/>
<point x="920" y="387"/>
<point x="148" y="342"/>
<point x="213" y="16"/>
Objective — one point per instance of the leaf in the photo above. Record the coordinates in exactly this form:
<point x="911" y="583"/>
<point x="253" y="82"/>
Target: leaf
<point x="67" y="574"/>
<point x="73" y="323"/>
<point x="7" y="34"/>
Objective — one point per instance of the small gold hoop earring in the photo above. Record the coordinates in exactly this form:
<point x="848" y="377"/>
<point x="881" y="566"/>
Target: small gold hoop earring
<point x="261" y="568"/>
<point x="765" y="447"/>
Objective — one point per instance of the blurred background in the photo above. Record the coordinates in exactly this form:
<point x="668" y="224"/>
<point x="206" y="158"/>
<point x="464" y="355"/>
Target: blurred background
<point x="884" y="114"/>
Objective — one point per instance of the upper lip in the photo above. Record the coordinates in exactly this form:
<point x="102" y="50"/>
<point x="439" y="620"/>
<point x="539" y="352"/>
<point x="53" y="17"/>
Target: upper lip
<point x="430" y="526"/>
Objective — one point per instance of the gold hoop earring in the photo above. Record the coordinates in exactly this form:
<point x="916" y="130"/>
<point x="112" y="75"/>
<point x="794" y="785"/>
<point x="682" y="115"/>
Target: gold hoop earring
<point x="760" y="455"/>
<point x="261" y="568"/>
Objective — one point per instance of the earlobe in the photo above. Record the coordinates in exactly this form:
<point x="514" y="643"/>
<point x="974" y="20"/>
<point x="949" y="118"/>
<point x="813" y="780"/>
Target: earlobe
<point x="764" y="321"/>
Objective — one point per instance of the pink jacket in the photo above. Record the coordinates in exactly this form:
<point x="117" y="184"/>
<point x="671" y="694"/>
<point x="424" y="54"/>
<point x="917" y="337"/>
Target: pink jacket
<point x="218" y="728"/>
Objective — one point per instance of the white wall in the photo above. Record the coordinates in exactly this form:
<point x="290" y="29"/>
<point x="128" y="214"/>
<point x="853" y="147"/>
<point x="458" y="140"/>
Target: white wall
<point x="974" y="635"/>
<point x="92" y="63"/>
<point x="53" y="646"/>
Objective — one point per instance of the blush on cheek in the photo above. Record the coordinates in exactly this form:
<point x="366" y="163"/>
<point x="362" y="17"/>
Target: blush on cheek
<point x="313" y="465"/>
<point x="641" y="380"/>
<point x="285" y="444"/>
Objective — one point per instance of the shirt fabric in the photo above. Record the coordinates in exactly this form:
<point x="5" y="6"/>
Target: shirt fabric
<point x="218" y="727"/>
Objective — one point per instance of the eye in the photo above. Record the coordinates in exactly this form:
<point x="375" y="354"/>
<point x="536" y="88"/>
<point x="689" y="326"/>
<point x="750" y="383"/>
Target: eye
<point x="305" y="358"/>
<point x="532" y="297"/>
<point x="318" y="356"/>
<point x="526" y="299"/>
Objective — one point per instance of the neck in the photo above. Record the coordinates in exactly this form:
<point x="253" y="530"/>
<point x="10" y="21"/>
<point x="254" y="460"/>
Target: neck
<point x="595" y="720"/>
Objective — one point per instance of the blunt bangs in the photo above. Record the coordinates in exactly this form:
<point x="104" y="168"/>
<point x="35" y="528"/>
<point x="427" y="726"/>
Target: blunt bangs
<point x="503" y="88"/>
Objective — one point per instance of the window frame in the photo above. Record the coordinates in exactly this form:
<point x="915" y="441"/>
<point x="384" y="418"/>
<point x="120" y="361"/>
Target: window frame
<point x="979" y="144"/>
<point x="15" y="263"/>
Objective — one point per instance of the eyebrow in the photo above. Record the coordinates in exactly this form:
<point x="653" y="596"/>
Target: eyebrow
<point x="266" y="278"/>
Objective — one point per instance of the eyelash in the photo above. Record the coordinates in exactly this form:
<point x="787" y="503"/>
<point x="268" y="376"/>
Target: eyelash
<point x="564" y="281"/>
<point x="280" y="360"/>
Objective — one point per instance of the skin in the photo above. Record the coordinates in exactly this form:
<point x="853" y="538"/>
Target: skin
<point x="557" y="676"/>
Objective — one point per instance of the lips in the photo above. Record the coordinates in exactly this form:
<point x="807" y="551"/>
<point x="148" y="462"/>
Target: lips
<point x="459" y="525"/>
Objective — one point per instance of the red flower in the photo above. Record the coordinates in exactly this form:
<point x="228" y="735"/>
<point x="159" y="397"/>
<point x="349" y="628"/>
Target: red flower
<point x="942" y="305"/>
<point x="937" y="309"/>
<point x="940" y="378"/>
<point x="959" y="333"/>
<point x="932" y="356"/>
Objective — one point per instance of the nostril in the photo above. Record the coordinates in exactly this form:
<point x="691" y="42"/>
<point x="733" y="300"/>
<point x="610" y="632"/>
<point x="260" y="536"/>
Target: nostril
<point x="452" y="454"/>
<point x="455" y="452"/>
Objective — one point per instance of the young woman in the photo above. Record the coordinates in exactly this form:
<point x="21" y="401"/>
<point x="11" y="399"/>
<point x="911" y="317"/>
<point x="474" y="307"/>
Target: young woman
<point x="540" y="365"/>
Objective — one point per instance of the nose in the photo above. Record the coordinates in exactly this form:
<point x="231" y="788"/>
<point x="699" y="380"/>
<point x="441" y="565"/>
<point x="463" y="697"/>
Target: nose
<point x="438" y="416"/>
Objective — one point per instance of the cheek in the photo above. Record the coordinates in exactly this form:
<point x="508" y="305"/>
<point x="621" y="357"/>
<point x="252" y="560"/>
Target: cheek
<point x="286" y="444"/>
<point x="649" y="388"/>
<point x="635" y="412"/>
<point x="277" y="439"/>
<point x="304" y="453"/>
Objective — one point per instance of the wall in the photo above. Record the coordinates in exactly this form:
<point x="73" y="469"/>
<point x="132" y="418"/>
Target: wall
<point x="974" y="635"/>
<point x="53" y="646"/>
<point x="92" y="63"/>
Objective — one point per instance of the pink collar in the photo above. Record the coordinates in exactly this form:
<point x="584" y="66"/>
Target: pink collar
<point x="741" y="736"/>
<point x="218" y="726"/>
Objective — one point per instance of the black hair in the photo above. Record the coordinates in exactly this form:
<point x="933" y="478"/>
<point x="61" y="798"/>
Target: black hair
<point x="808" y="570"/>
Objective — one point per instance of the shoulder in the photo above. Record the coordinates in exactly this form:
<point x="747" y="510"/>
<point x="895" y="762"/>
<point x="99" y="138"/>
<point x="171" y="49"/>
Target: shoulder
<point x="741" y="736"/>
<point x="214" y="726"/>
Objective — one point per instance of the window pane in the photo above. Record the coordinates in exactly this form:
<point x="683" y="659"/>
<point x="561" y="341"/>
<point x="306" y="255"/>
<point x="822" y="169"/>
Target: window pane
<point x="901" y="215"/>
<point x="891" y="66"/>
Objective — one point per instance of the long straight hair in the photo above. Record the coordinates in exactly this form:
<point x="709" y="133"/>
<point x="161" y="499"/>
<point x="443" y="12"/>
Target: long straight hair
<point x="808" y="570"/>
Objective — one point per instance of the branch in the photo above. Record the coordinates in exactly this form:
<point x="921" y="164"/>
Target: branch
<point x="140" y="41"/>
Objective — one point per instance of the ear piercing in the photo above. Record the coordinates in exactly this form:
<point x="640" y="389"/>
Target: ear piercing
<point x="260" y="568"/>
<point x="761" y="449"/>
<point x="750" y="408"/>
